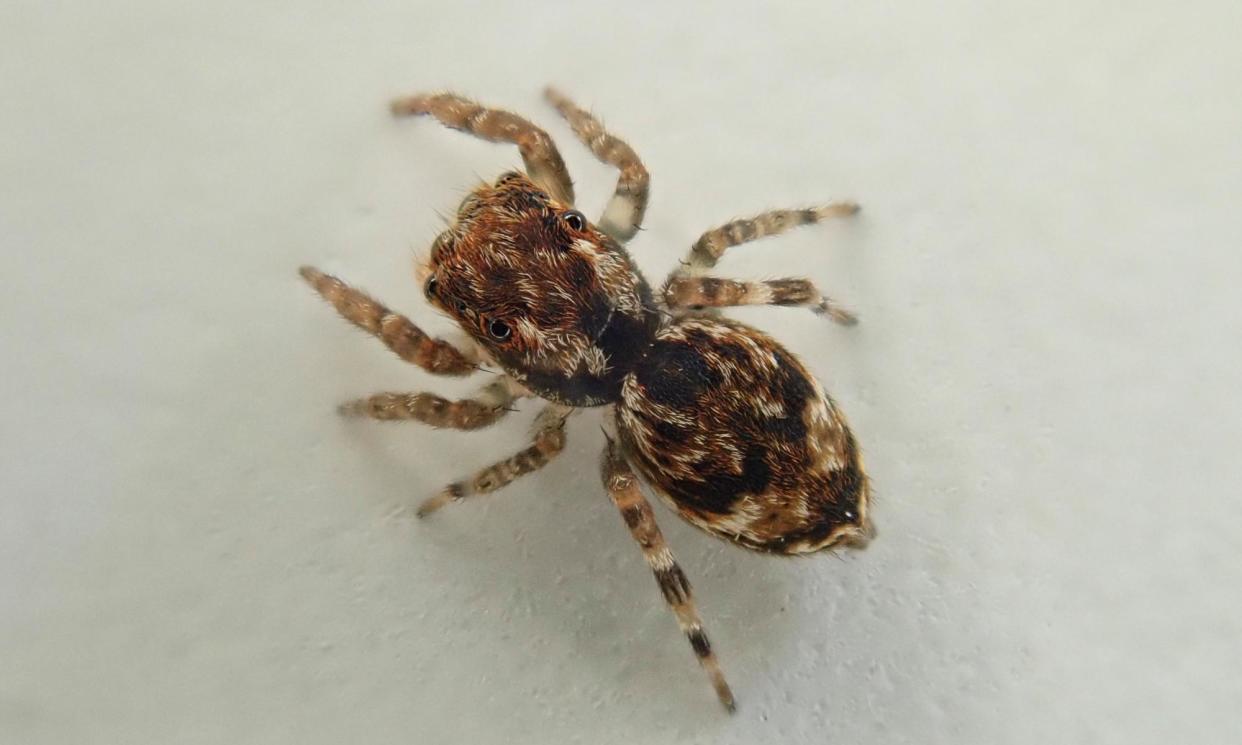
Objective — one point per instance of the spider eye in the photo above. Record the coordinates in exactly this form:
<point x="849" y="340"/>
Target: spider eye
<point x="430" y="288"/>
<point x="498" y="329"/>
<point x="462" y="307"/>
<point x="574" y="220"/>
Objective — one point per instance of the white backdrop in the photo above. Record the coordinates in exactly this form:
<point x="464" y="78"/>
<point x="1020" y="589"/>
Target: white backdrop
<point x="194" y="548"/>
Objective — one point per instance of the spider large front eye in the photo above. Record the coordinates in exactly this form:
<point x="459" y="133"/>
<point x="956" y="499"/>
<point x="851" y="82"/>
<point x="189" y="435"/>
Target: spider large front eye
<point x="430" y="287"/>
<point x="498" y="329"/>
<point x="574" y="220"/>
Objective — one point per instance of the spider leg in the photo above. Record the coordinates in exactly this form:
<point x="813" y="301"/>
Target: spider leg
<point x="636" y="511"/>
<point x="691" y="292"/>
<point x="485" y="408"/>
<point x="396" y="331"/>
<point x="624" y="213"/>
<point x="712" y="244"/>
<point x="543" y="161"/>
<point x="549" y="440"/>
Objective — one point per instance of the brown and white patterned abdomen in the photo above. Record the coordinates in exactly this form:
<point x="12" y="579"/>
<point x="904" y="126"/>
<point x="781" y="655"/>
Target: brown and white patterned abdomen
<point x="738" y="437"/>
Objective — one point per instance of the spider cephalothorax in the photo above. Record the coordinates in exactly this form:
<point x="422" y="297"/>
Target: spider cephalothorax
<point x="724" y="423"/>
<point x="554" y="301"/>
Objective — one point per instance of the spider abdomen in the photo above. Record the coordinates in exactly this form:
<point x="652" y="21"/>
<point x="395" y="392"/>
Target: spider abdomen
<point x="738" y="437"/>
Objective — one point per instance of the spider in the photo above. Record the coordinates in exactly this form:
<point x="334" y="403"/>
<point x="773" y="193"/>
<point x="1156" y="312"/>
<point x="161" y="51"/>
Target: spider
<point x="721" y="421"/>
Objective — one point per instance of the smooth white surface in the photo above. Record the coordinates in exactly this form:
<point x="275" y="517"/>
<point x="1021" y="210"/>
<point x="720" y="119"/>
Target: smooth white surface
<point x="195" y="549"/>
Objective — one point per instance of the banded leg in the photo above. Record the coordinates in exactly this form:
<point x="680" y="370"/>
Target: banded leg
<point x="713" y="292"/>
<point x="549" y="440"/>
<point x="624" y="213"/>
<point x="396" y="331"/>
<point x="712" y="244"/>
<point x="636" y="511"/>
<point x="543" y="161"/>
<point x="487" y="407"/>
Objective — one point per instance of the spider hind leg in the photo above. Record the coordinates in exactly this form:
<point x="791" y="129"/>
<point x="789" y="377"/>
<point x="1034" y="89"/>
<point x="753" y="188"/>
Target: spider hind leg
<point x="636" y="511"/>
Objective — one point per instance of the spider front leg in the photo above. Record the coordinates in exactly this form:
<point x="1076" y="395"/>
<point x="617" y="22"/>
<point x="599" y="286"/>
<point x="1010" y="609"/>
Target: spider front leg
<point x="691" y="292"/>
<point x="636" y="511"/>
<point x="543" y="161"/>
<point x="712" y="244"/>
<point x="396" y="331"/>
<point x="549" y="440"/>
<point x="485" y="408"/>
<point x="624" y="214"/>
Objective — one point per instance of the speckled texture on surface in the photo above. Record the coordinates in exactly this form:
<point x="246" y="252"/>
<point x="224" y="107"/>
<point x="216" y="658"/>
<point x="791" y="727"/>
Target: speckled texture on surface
<point x="195" y="549"/>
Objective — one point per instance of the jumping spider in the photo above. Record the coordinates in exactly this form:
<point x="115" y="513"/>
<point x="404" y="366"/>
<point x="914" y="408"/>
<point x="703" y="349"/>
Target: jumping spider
<point x="728" y="427"/>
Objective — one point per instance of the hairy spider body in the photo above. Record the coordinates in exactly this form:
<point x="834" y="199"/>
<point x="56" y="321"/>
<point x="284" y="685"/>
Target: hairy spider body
<point x="578" y="312"/>
<point x="724" y="423"/>
<point x="738" y="438"/>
